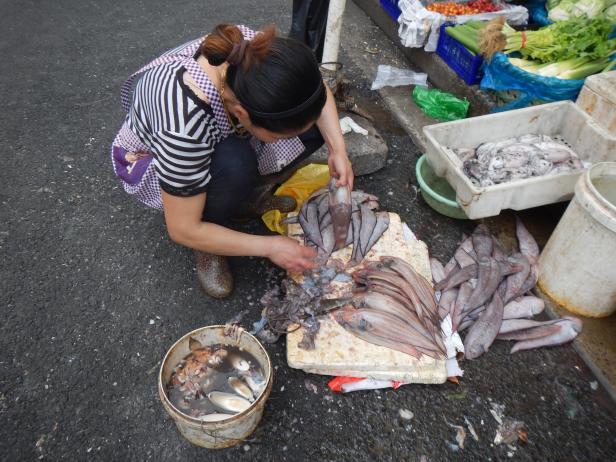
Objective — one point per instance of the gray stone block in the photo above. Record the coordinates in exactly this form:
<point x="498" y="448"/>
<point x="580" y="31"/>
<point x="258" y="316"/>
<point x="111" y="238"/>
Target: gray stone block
<point x="367" y="153"/>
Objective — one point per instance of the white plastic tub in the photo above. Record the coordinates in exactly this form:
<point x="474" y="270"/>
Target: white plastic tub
<point x="563" y="120"/>
<point x="577" y="267"/>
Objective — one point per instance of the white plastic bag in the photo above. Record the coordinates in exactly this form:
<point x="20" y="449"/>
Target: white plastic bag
<point x="420" y="27"/>
<point x="348" y="125"/>
<point x="389" y="76"/>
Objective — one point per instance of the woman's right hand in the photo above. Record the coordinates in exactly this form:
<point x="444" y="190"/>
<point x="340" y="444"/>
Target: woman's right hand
<point x="290" y="255"/>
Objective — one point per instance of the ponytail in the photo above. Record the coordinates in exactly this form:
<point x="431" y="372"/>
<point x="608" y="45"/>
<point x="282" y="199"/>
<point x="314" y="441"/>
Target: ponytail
<point x="226" y="44"/>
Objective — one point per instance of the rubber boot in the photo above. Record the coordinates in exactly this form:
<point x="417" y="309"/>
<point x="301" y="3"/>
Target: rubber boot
<point x="214" y="274"/>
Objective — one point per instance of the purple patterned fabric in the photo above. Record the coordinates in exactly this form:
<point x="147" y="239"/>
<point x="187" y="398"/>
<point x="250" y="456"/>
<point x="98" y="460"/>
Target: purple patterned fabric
<point x="271" y="157"/>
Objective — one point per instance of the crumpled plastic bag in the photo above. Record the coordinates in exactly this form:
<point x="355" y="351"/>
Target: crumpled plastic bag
<point x="420" y="27"/>
<point x="304" y="182"/>
<point x="389" y="76"/>
<point x="348" y="125"/>
<point x="440" y="105"/>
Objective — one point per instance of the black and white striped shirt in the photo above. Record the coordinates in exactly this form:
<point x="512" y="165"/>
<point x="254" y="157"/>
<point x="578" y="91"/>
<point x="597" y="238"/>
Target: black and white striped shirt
<point x="178" y="127"/>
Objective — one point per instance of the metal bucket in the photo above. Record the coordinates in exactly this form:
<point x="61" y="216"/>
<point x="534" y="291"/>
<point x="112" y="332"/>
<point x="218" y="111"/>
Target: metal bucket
<point x="227" y="432"/>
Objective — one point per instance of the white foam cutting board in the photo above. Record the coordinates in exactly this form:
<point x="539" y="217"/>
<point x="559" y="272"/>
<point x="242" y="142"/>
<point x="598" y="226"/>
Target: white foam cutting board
<point x="338" y="352"/>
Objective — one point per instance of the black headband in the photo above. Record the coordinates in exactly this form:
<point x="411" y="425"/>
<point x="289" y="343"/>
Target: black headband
<point x="289" y="112"/>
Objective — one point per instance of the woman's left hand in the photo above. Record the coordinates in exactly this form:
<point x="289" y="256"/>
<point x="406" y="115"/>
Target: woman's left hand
<point x="340" y="167"/>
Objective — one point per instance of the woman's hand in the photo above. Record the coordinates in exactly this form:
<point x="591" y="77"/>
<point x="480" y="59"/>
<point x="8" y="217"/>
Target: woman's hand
<point x="289" y="255"/>
<point x="340" y="167"/>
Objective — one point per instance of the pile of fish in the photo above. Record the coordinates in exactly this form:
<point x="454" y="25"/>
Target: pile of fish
<point x="215" y="382"/>
<point x="483" y="289"/>
<point x="394" y="307"/>
<point x="294" y="304"/>
<point x="517" y="158"/>
<point x="334" y="217"/>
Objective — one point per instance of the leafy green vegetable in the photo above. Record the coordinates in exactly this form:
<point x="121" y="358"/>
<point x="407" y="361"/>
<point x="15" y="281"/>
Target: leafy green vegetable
<point x="575" y="38"/>
<point x="589" y="8"/>
<point x="551" y="4"/>
<point x="563" y="11"/>
<point x="610" y="13"/>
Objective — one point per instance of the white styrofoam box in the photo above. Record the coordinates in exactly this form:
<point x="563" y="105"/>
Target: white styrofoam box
<point x="598" y="98"/>
<point x="563" y="120"/>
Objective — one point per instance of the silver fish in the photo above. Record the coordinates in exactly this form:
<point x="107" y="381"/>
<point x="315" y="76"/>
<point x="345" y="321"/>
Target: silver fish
<point x="391" y="305"/>
<point x="464" y="292"/>
<point x="368" y="222"/>
<point x="482" y="242"/>
<point x="570" y="327"/>
<point x="450" y="266"/>
<point x="228" y="402"/>
<point x="498" y="252"/>
<point x="526" y="241"/>
<point x="447" y="302"/>
<point x="340" y="211"/>
<point x="239" y="363"/>
<point x="515" y="282"/>
<point x="322" y="208"/>
<point x="530" y="334"/>
<point x="523" y="307"/>
<point x="438" y="272"/>
<point x="481" y="334"/>
<point x="531" y="280"/>
<point x="356" y="256"/>
<point x="241" y="388"/>
<point x="308" y="219"/>
<point x="457" y="277"/>
<point x="329" y="242"/>
<point x="255" y="381"/>
<point x="378" y="328"/>
<point x="488" y="279"/>
<point x="382" y="223"/>
<point x="463" y="258"/>
<point x="513" y="325"/>
<point x="465" y="255"/>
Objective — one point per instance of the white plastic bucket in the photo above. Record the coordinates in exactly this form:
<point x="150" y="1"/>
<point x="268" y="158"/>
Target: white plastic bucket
<point x="227" y="432"/>
<point x="578" y="265"/>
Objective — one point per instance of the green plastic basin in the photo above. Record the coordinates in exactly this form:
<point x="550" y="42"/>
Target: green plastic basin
<point x="436" y="191"/>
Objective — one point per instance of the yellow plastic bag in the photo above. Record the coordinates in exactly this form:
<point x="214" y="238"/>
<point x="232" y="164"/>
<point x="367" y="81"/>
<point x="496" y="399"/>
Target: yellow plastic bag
<point x="304" y="182"/>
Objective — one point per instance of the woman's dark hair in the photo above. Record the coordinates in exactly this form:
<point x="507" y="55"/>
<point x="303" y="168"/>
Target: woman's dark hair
<point x="277" y="80"/>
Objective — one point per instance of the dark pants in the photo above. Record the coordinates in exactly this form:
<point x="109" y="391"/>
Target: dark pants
<point x="234" y="174"/>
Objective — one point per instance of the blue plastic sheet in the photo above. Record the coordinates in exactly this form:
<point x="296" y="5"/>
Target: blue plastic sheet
<point x="537" y="12"/>
<point x="500" y="74"/>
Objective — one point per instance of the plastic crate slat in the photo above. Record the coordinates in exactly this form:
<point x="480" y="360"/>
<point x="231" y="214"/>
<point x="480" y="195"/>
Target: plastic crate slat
<point x="457" y="57"/>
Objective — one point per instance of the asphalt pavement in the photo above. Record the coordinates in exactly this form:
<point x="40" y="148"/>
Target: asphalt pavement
<point x="93" y="293"/>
